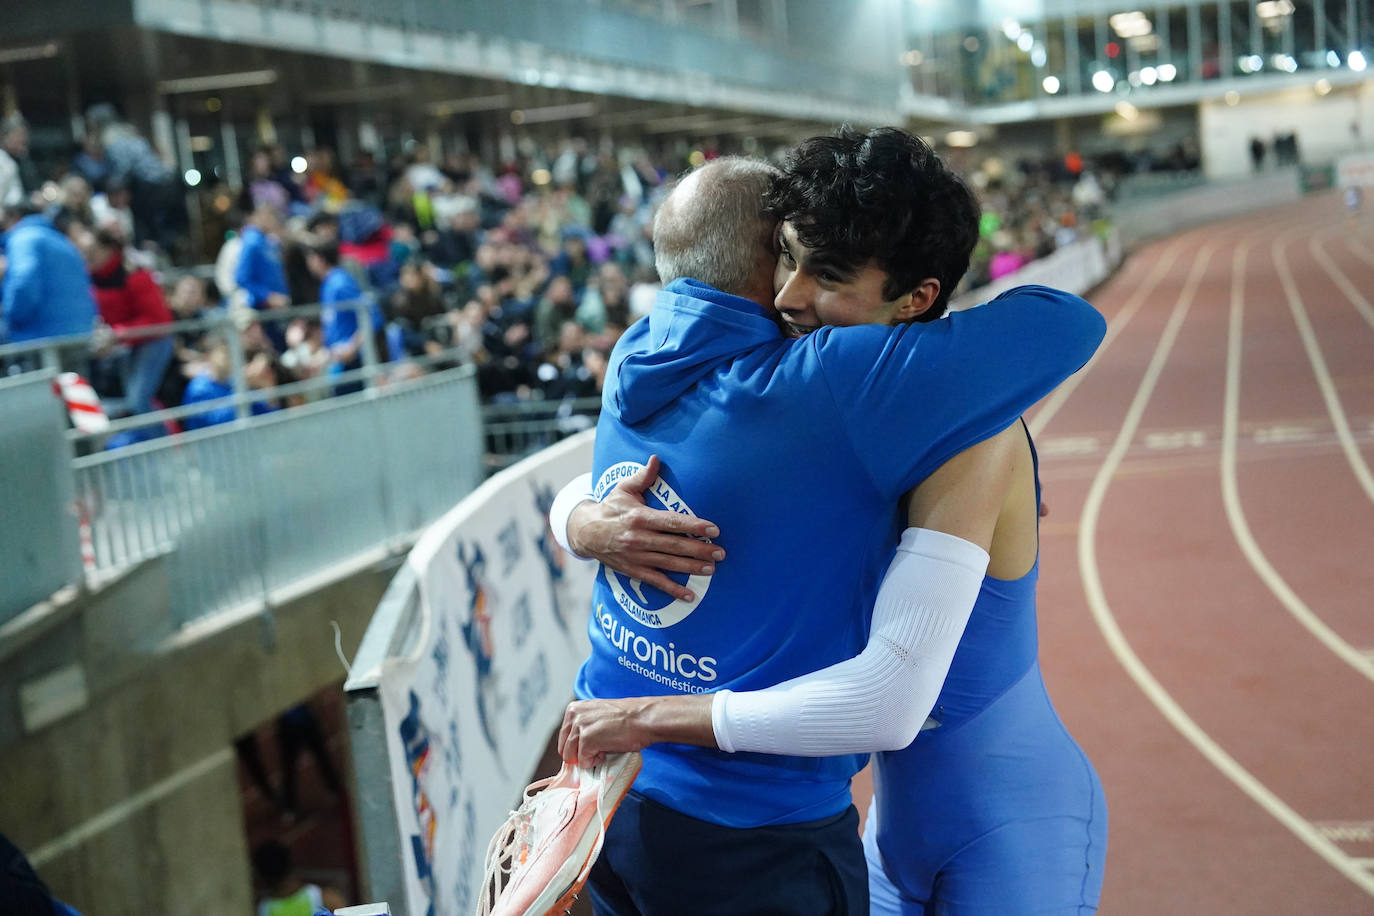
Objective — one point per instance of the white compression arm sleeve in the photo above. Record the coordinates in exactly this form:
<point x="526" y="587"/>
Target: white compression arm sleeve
<point x="878" y="700"/>
<point x="578" y="491"/>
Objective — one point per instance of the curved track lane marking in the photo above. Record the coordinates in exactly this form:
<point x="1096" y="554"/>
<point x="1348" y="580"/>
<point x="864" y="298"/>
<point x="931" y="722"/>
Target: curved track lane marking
<point x="1323" y="375"/>
<point x="1358" y="250"/>
<point x="1230" y="490"/>
<point x="1356" y="299"/>
<point x="1116" y="640"/>
<point x="1118" y="323"/>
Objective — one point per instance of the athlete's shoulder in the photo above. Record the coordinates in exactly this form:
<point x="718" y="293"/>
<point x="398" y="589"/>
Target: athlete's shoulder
<point x="1042" y="317"/>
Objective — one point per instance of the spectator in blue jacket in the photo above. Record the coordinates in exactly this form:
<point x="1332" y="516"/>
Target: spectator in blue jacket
<point x="343" y="332"/>
<point x="260" y="273"/>
<point x="46" y="291"/>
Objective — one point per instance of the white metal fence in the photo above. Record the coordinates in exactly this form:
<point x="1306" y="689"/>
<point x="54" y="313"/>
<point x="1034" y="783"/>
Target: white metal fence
<point x="243" y="509"/>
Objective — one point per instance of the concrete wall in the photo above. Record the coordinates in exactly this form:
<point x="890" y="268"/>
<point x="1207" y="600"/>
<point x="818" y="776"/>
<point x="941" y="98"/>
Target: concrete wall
<point x="38" y="539"/>
<point x="130" y="805"/>
<point x="1143" y="218"/>
<point x="1323" y="125"/>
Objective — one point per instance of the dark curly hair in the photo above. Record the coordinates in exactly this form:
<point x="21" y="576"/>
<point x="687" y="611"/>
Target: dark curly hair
<point x="883" y="196"/>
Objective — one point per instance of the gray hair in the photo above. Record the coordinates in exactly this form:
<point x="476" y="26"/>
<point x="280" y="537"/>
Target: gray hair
<point x="712" y="226"/>
<point x="12" y="123"/>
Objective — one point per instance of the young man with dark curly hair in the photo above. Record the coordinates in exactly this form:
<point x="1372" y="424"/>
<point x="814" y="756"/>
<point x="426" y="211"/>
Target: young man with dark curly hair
<point x="799" y="451"/>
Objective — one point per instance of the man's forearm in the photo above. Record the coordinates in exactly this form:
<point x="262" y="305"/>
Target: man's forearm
<point x="683" y="719"/>
<point x="594" y="728"/>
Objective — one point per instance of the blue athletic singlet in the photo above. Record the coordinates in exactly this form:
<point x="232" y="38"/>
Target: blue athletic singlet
<point x="800" y="452"/>
<point x="997" y="812"/>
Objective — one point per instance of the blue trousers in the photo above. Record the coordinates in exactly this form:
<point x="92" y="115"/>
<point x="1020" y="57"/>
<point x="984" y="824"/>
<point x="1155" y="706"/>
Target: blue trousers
<point x="660" y="862"/>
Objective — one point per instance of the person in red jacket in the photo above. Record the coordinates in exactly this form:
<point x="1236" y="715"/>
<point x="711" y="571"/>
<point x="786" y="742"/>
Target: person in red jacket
<point x="128" y="297"/>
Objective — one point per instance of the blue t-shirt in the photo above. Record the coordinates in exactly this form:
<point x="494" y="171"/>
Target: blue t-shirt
<point x="340" y="324"/>
<point x="259" y="271"/>
<point x="800" y="451"/>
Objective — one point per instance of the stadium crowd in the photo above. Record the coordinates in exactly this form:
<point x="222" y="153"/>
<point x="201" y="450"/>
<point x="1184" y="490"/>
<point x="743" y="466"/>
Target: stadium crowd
<point x="528" y="269"/>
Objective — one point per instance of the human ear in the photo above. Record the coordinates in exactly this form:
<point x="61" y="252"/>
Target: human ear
<point x="919" y="301"/>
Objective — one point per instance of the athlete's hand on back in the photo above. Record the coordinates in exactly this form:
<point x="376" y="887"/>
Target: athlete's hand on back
<point x="642" y="543"/>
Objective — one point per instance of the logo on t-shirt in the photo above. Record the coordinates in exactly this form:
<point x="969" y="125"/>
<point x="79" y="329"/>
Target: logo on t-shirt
<point x="646" y="604"/>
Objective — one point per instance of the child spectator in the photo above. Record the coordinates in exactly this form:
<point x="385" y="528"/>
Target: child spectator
<point x="286" y="893"/>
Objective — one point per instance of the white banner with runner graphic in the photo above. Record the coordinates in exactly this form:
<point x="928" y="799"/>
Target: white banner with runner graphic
<point x="471" y="703"/>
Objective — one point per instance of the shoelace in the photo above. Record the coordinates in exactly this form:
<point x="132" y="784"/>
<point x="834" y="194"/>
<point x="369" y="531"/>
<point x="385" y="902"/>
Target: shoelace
<point x="503" y="848"/>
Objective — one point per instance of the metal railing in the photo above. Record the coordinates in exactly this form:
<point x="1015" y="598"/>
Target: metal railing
<point x="514" y="431"/>
<point x="47" y="353"/>
<point x="244" y="509"/>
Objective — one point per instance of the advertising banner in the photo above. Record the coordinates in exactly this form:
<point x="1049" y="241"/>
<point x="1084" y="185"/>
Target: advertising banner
<point x="479" y="683"/>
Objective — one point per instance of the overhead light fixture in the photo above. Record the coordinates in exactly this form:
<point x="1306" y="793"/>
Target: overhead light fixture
<point x="218" y="81"/>
<point x="1149" y="75"/>
<point x="1355" y="60"/>
<point x="1038" y="56"/>
<point x="1051" y="84"/>
<point x="961" y="139"/>
<point x="467" y="105"/>
<point x="555" y="113"/>
<point x="1274" y="9"/>
<point x="1323" y="86"/>
<point x="1127" y="111"/>
<point x="1167" y="73"/>
<point x="1025" y="42"/>
<point x="29" y="52"/>
<point x="913" y="58"/>
<point x="1333" y="59"/>
<point x="1103" y="81"/>
<point x="1012" y="29"/>
<point x="1130" y="25"/>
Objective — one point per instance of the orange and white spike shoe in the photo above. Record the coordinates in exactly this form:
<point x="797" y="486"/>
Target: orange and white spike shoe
<point x="540" y="858"/>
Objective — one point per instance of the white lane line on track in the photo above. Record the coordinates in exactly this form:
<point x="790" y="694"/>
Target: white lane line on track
<point x="1065" y="446"/>
<point x="1282" y="434"/>
<point x="1056" y="400"/>
<point x="1116" y="640"/>
<point x="1175" y="439"/>
<point x="1347" y="831"/>
<point x="1361" y="304"/>
<point x="1230" y="489"/>
<point x="1361" y="252"/>
<point x="1323" y="376"/>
